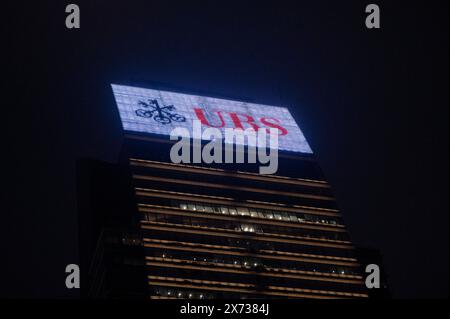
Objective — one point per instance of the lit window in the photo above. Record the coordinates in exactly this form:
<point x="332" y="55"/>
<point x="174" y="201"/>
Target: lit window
<point x="243" y="211"/>
<point x="247" y="228"/>
<point x="183" y="206"/>
<point x="233" y="211"/>
<point x="268" y="214"/>
<point x="208" y="209"/>
<point x="224" y="210"/>
<point x="253" y="213"/>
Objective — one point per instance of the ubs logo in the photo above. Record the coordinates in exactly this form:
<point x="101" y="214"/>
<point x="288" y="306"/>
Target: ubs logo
<point x="221" y="119"/>
<point x="161" y="114"/>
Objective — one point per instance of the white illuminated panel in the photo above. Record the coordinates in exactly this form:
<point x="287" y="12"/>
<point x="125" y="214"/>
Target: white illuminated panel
<point x="159" y="112"/>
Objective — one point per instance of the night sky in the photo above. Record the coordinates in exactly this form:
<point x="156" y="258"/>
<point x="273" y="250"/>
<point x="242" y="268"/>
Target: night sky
<point x="373" y="105"/>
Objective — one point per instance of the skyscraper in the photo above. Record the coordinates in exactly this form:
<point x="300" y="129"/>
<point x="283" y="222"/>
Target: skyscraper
<point x="154" y="228"/>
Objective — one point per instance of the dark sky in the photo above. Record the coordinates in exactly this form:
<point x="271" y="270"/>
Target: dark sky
<point x="372" y="103"/>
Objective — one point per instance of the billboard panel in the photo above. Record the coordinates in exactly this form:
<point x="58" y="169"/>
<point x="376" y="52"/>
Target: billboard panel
<point x="159" y="112"/>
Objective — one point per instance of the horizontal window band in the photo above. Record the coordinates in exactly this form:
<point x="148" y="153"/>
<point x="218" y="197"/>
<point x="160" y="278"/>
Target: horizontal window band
<point x="229" y="201"/>
<point x="146" y="208"/>
<point x="241" y="235"/>
<point x="225" y="173"/>
<point x="252" y="288"/>
<point x="230" y="289"/>
<point x="229" y="269"/>
<point x="182" y="243"/>
<point x="165" y="297"/>
<point x="309" y="260"/>
<point x="230" y="187"/>
<point x="191" y="244"/>
<point x="291" y="271"/>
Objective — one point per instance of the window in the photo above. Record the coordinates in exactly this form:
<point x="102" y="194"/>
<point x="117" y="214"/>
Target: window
<point x="247" y="228"/>
<point x="243" y="211"/>
<point x="268" y="214"/>
<point x="285" y="216"/>
<point x="253" y="212"/>
<point x="208" y="209"/>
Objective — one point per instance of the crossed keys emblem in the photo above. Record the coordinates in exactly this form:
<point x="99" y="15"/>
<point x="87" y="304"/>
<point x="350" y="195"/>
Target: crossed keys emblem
<point x="160" y="114"/>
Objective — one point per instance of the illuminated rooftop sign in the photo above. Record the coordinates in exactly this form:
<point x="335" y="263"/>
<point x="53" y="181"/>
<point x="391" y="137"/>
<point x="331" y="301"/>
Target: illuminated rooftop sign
<point x="159" y="112"/>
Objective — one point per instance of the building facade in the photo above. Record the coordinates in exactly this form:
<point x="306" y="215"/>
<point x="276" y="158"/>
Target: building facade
<point x="165" y="230"/>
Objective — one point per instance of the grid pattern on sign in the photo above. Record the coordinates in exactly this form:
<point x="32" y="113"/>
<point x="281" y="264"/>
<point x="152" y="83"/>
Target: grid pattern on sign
<point x="128" y="98"/>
